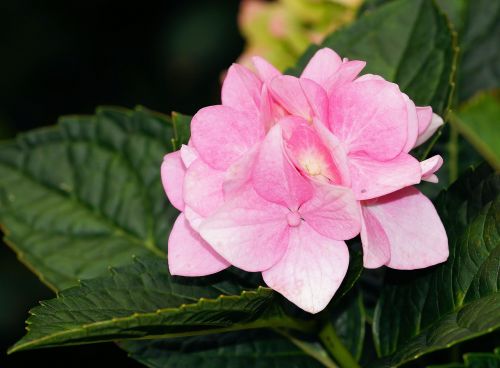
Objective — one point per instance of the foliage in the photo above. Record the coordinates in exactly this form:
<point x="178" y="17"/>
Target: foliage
<point x="454" y="301"/>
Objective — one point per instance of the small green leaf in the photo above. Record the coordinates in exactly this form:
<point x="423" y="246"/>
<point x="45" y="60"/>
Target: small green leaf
<point x="426" y="310"/>
<point x="479" y="122"/>
<point x="231" y="350"/>
<point x="143" y="301"/>
<point x="182" y="128"/>
<point x="86" y="194"/>
<point x="407" y="42"/>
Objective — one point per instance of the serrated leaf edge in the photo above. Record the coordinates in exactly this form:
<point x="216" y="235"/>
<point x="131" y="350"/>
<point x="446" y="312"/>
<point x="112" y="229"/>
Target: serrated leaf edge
<point x="246" y="294"/>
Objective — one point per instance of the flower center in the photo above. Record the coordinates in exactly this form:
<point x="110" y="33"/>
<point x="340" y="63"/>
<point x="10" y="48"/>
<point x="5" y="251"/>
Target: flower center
<point x="293" y="219"/>
<point x="312" y="164"/>
<point x="309" y="154"/>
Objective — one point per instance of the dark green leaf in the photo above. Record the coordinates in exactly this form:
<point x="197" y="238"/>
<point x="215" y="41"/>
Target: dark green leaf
<point x="478" y="25"/>
<point x="343" y="328"/>
<point x="407" y="42"/>
<point x="455" y="10"/>
<point x="255" y="349"/>
<point x="458" y="156"/>
<point x="143" y="301"/>
<point x="348" y="320"/>
<point x="479" y="32"/>
<point x="479" y="122"/>
<point x="422" y="311"/>
<point x="482" y="360"/>
<point x="353" y="272"/>
<point x="86" y="194"/>
<point x="475" y="360"/>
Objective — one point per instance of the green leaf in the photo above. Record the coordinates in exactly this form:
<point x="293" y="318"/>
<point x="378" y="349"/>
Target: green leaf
<point x="478" y="25"/>
<point x="343" y="329"/>
<point x="231" y="350"/>
<point x="479" y="122"/>
<point x="475" y="360"/>
<point x="86" y="194"/>
<point x="458" y="156"/>
<point x="482" y="360"/>
<point x="407" y="42"/>
<point x="143" y="301"/>
<point x="348" y="320"/>
<point x="426" y="310"/>
<point x="479" y="31"/>
<point x="353" y="272"/>
<point x="182" y="128"/>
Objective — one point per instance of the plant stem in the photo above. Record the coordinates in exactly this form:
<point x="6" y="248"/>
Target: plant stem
<point x="315" y="352"/>
<point x="453" y="153"/>
<point x="334" y="345"/>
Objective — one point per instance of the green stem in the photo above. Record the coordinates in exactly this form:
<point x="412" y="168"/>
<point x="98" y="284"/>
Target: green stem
<point x="334" y="345"/>
<point x="453" y="153"/>
<point x="313" y="351"/>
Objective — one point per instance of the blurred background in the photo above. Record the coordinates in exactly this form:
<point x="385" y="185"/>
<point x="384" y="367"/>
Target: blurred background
<point x="64" y="57"/>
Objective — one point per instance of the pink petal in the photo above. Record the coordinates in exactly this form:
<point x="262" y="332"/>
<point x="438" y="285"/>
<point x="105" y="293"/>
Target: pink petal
<point x="307" y="151"/>
<point x="424" y="114"/>
<point x="371" y="179"/>
<point x="311" y="270"/>
<point x="376" y="247"/>
<point x="436" y="122"/>
<point x="429" y="167"/>
<point x="290" y="93"/>
<point x="322" y="67"/>
<point x="188" y="155"/>
<point x="239" y="174"/>
<point x="270" y="111"/>
<point x="241" y="90"/>
<point x="332" y="212"/>
<point x="194" y="218"/>
<point x="265" y="70"/>
<point x="337" y="150"/>
<point x="172" y="177"/>
<point x="367" y="77"/>
<point x="248" y="231"/>
<point x="366" y="116"/>
<point x="221" y="135"/>
<point x="431" y="178"/>
<point x="347" y="72"/>
<point x="203" y="188"/>
<point x="274" y="177"/>
<point x="317" y="98"/>
<point x="412" y="124"/>
<point x="189" y="254"/>
<point x="416" y="235"/>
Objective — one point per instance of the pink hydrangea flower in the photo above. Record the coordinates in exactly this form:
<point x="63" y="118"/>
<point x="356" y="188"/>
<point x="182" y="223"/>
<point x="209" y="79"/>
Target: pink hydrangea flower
<point x="278" y="176"/>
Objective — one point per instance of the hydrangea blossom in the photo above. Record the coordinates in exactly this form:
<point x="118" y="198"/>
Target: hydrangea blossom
<point x="278" y="176"/>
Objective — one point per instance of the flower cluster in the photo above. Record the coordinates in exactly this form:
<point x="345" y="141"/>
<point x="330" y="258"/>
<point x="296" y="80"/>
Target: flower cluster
<point x="275" y="179"/>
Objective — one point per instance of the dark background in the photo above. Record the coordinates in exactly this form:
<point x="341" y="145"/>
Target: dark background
<point x="64" y="57"/>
